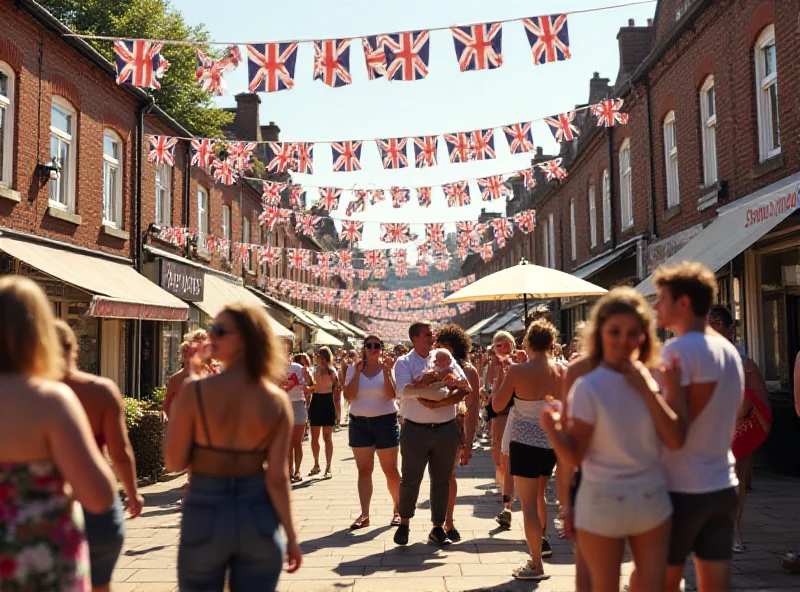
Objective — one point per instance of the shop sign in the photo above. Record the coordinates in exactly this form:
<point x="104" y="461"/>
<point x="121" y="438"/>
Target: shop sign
<point x="783" y="205"/>
<point x="183" y="281"/>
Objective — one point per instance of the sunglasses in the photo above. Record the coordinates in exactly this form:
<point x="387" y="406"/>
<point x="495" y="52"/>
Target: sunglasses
<point x="371" y="346"/>
<point x="218" y="330"/>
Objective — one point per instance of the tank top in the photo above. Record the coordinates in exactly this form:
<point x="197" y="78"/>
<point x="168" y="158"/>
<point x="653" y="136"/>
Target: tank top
<point x="526" y="427"/>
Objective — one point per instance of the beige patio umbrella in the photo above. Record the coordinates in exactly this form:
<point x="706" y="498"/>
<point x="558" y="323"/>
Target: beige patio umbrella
<point x="525" y="281"/>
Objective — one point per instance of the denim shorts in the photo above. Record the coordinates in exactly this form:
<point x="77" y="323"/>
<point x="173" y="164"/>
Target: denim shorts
<point x="381" y="432"/>
<point x="105" y="534"/>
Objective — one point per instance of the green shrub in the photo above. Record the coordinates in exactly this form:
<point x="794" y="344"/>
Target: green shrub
<point x="147" y="440"/>
<point x="156" y="398"/>
<point x="133" y="412"/>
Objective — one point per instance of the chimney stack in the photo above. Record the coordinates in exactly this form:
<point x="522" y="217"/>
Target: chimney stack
<point x="649" y="22"/>
<point x="598" y="89"/>
<point x="247" y="124"/>
<point x="631" y="22"/>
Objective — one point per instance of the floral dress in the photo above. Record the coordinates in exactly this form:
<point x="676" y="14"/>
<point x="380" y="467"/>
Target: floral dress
<point x="42" y="544"/>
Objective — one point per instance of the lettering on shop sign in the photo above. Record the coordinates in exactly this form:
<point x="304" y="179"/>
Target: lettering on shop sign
<point x="777" y="207"/>
<point x="183" y="281"/>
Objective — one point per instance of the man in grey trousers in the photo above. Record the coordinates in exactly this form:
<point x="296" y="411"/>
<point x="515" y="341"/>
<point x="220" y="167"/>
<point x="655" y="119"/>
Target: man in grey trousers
<point x="430" y="434"/>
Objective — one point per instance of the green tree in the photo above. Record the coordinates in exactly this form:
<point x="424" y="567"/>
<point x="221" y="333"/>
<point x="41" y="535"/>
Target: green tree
<point x="180" y="96"/>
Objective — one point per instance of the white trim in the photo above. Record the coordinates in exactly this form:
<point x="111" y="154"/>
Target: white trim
<point x="625" y="185"/>
<point x="545" y="243"/>
<point x="69" y="169"/>
<point x="9" y="107"/>
<point x="572" y="235"/>
<point x="164" y="185"/>
<point x="671" y="160"/>
<point x="766" y="84"/>
<point x="708" y="130"/>
<point x="552" y="240"/>
<point x="109" y="163"/>
<point x="203" y="216"/>
<point x="606" y="205"/>
<point x="226" y="221"/>
<point x="593" y="215"/>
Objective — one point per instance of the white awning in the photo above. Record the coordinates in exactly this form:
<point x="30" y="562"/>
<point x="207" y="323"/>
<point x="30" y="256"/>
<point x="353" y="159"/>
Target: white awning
<point x="504" y="319"/>
<point x="737" y="228"/>
<point x="322" y="337"/>
<point x="118" y="290"/>
<point x="476" y="328"/>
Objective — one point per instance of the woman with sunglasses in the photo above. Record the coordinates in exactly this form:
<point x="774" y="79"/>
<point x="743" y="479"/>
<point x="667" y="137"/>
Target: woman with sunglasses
<point x="370" y="390"/>
<point x="226" y="427"/>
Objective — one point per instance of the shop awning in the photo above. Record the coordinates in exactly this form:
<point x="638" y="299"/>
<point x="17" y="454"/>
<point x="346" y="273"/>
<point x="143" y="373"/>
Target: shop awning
<point x="218" y="292"/>
<point x="505" y="321"/>
<point x="737" y="228"/>
<point x="342" y="329"/>
<point x="356" y="330"/>
<point x="322" y="337"/>
<point x="476" y="328"/>
<point x="598" y="264"/>
<point x="299" y="314"/>
<point x="321" y="322"/>
<point x="118" y="291"/>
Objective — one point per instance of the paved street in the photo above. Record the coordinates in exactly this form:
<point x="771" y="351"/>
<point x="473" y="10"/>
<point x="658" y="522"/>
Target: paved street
<point x="336" y="559"/>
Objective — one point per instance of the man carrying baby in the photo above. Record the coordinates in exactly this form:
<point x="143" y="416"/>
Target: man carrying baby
<point x="430" y="433"/>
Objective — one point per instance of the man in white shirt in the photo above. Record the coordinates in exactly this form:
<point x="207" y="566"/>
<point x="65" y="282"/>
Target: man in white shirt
<point x="700" y="476"/>
<point x="430" y="435"/>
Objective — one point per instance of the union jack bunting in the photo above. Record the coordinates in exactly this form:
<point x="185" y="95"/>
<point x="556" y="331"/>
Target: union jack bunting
<point x="459" y="146"/>
<point x="162" y="149"/>
<point x="401" y="271"/>
<point x="376" y="196"/>
<point x="520" y="139"/>
<point x="482" y="142"/>
<point x="379" y="273"/>
<point x="363" y="274"/>
<point x="224" y="172"/>
<point x="461" y="253"/>
<point x="332" y="62"/>
<point x="282" y="157"/>
<point x="407" y="55"/>
<point x="351" y="231"/>
<point x="271" y="255"/>
<point x="400" y="197"/>
<point x="286" y="215"/>
<point x="329" y="198"/>
<point x="479" y="47"/>
<point x="526" y="221"/>
<point x="486" y="251"/>
<point x="304" y="157"/>
<point x="562" y="127"/>
<point x="549" y="38"/>
<point x="345" y="257"/>
<point x="552" y="169"/>
<point x="375" y="55"/>
<point x="434" y="233"/>
<point x="608" y="113"/>
<point x="395" y="233"/>
<point x="393" y="153"/>
<point x="467" y="233"/>
<point x="422" y="269"/>
<point x="442" y="263"/>
<point x="324" y="259"/>
<point x="424" y="197"/>
<point x="297" y="199"/>
<point x="209" y="70"/>
<point x="203" y="152"/>
<point x="423" y="251"/>
<point x="425" y="151"/>
<point x="271" y="193"/>
<point x="503" y="229"/>
<point x="297" y="258"/>
<point x="359" y="204"/>
<point x="346" y="156"/>
<point x="139" y="63"/>
<point x="270" y="66"/>
<point x="457" y="194"/>
<point x="374" y="258"/>
<point x="240" y="153"/>
<point x="269" y="217"/>
<point x="493" y="188"/>
<point x="528" y="179"/>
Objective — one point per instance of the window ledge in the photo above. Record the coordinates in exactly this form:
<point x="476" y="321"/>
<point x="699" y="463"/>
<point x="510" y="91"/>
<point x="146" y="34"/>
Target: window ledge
<point x="64" y="215"/>
<point x="115" y="232"/>
<point x="250" y="273"/>
<point x="771" y="164"/>
<point x="10" y="194"/>
<point x="202" y="255"/>
<point x="710" y="195"/>
<point x="672" y="212"/>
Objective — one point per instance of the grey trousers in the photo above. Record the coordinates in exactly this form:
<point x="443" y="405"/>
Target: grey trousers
<point x="434" y="446"/>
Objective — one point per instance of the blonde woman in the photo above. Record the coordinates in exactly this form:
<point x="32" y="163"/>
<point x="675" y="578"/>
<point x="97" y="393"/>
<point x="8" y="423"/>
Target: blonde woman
<point x="322" y="411"/>
<point x="46" y="442"/>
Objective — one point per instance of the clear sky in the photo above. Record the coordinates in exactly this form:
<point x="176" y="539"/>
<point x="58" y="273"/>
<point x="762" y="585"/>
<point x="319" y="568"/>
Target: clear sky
<point x="447" y="101"/>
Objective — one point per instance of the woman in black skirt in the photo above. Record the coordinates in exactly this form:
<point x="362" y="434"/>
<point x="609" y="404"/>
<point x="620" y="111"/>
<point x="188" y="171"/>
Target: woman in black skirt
<point x="322" y="411"/>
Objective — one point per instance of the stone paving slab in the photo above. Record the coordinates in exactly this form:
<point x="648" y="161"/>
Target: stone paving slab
<point x="338" y="560"/>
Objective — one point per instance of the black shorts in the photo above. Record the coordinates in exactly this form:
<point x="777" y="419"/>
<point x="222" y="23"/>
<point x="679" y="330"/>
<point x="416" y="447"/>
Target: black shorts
<point x="702" y="523"/>
<point x="531" y="461"/>
<point x="322" y="411"/>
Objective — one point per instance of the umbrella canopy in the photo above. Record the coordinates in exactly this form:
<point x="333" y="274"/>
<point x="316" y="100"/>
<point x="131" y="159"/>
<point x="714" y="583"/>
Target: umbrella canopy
<point x="322" y="337"/>
<point x="525" y="281"/>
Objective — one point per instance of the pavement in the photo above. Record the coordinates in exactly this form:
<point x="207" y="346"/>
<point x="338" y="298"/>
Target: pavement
<point x="337" y="560"/>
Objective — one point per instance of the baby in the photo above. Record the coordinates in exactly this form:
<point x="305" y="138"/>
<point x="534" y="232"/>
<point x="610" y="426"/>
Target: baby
<point x="441" y="366"/>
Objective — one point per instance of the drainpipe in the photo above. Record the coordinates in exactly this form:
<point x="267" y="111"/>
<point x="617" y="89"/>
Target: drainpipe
<point x="653" y="210"/>
<point x="611" y="184"/>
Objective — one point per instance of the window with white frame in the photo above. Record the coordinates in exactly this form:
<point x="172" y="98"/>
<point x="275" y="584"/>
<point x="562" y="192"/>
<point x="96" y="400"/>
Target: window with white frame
<point x="226" y="222"/>
<point x="592" y="215"/>
<point x="63" y="123"/>
<point x="112" y="179"/>
<point x="626" y="185"/>
<point x="708" y="121"/>
<point x="202" y="216"/>
<point x="572" y="237"/>
<point x="545" y="244"/>
<point x="552" y="240"/>
<point x="6" y="123"/>
<point x="246" y="239"/>
<point x="606" y="206"/>
<point x="769" y="137"/>
<point x="671" y="160"/>
<point x="164" y="194"/>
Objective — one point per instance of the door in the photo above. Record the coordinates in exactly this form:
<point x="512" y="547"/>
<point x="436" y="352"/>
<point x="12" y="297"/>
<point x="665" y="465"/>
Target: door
<point x="111" y="350"/>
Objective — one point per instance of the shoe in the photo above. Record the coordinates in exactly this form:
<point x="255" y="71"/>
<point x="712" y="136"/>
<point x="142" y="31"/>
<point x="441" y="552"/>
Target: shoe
<point x="504" y="518"/>
<point x="529" y="572"/>
<point x="401" y="535"/>
<point x="437" y="536"/>
<point x="453" y="535"/>
<point x="547" y="550"/>
<point x="328" y="474"/>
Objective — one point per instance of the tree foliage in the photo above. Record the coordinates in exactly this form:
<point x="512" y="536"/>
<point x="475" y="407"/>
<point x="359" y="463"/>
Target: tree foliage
<point x="179" y="96"/>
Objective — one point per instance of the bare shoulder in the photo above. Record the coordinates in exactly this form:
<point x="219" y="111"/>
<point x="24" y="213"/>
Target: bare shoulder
<point x="579" y="366"/>
<point x="52" y="397"/>
<point x="279" y="398"/>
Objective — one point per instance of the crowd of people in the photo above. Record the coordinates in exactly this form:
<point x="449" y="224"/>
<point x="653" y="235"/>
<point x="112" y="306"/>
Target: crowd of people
<point x="651" y="444"/>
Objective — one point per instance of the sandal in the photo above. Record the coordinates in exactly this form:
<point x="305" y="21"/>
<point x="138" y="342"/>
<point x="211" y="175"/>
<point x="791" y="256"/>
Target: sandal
<point x="739" y="547"/>
<point x="395" y="520"/>
<point x="790" y="562"/>
<point x="529" y="572"/>
<point x="315" y="471"/>
<point x="328" y="474"/>
<point x="297" y="477"/>
<point x="360" y="522"/>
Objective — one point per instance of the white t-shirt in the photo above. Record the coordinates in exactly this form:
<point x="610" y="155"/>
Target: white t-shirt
<point x="370" y="398"/>
<point x="625" y="446"/>
<point x="406" y="369"/>
<point x="705" y="463"/>
<point x="296" y="370"/>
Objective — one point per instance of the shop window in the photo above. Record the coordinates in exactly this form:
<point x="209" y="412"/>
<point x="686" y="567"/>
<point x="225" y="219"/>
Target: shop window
<point x="86" y="330"/>
<point x="671" y="160"/>
<point x="592" y="215"/>
<point x="202" y="217"/>
<point x="626" y="185"/>
<point x="164" y="194"/>
<point x="226" y="222"/>
<point x="708" y="121"/>
<point x="7" y="79"/>
<point x="606" y="206"/>
<point x="170" y="354"/>
<point x="573" y="239"/>
<point x="112" y="179"/>
<point x="63" y="123"/>
<point x="769" y="140"/>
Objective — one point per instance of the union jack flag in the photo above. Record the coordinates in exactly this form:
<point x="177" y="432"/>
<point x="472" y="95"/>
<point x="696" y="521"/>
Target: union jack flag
<point x="269" y="217"/>
<point x="457" y="194"/>
<point x="376" y="56"/>
<point x="608" y="113"/>
<point x="442" y="263"/>
<point x="374" y="258"/>
<point x="271" y="66"/>
<point x="549" y="38"/>
<point x="400" y="197"/>
<point x="526" y="221"/>
<point x="162" y="149"/>
<point x="359" y="204"/>
<point x="483" y="144"/>
<point x="304" y="156"/>
<point x="486" y="251"/>
<point x="459" y="146"/>
<point x="271" y="193"/>
<point x="467" y="233"/>
<point x="224" y="172"/>
<point x="240" y="153"/>
<point x="407" y="55"/>
<point x="351" y="231"/>
<point x="434" y="233"/>
<point x="424" y="197"/>
<point x="297" y="197"/>
<point x="271" y="255"/>
<point x="298" y="258"/>
<point x="393" y="153"/>
<point x="478" y="47"/>
<point x="425" y="149"/>
<point x="139" y="63"/>
<point x="363" y="274"/>
<point x="349" y="156"/>
<point x="376" y="196"/>
<point x="562" y="127"/>
<point x="286" y="215"/>
<point x="461" y="252"/>
<point x="345" y="257"/>
<point x="209" y="70"/>
<point x="329" y="198"/>
<point x="324" y="259"/>
<point x="395" y="233"/>
<point x="493" y="188"/>
<point x="552" y="169"/>
<point x="528" y="178"/>
<point x="520" y="139"/>
<point x="422" y="269"/>
<point x="401" y="271"/>
<point x="203" y="152"/>
<point x="282" y="157"/>
<point x="332" y="62"/>
<point x="503" y="229"/>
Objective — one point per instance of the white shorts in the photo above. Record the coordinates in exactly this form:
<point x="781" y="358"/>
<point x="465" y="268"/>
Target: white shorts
<point x="620" y="509"/>
<point x="300" y="413"/>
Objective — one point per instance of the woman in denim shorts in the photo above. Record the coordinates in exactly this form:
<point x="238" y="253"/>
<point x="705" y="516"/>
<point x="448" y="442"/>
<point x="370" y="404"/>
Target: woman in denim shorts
<point x="369" y="388"/>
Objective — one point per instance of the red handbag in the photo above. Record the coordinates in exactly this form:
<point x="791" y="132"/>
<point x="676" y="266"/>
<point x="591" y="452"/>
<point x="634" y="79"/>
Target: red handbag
<point x="752" y="429"/>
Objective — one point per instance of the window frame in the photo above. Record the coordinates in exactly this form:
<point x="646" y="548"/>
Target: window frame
<point x="671" y="172"/>
<point x="118" y="184"/>
<point x="546" y="242"/>
<point x="552" y="240"/>
<point x="203" y="214"/>
<point x="625" y="185"/>
<point x="607" y="222"/>
<point x="573" y="236"/>
<point x="8" y="103"/>
<point x="764" y="82"/>
<point x="708" y="131"/>
<point x="62" y="104"/>
<point x="592" y="199"/>
<point x="163" y="172"/>
<point x="226" y="221"/>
